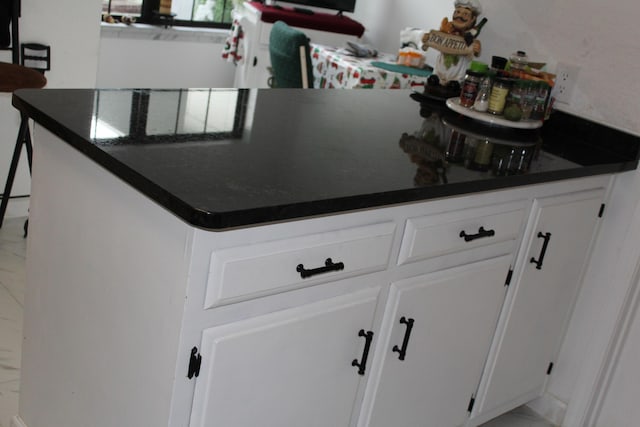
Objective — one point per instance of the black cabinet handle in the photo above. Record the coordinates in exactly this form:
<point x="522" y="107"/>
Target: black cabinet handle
<point x="362" y="365"/>
<point x="407" y="333"/>
<point x="481" y="233"/>
<point x="328" y="266"/>
<point x="538" y="262"/>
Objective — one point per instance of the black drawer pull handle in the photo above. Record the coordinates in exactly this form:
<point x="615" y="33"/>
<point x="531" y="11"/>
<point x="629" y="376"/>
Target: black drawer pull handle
<point x="407" y="333"/>
<point x="481" y="233"/>
<point x="328" y="266"/>
<point x="362" y="365"/>
<point x="538" y="262"/>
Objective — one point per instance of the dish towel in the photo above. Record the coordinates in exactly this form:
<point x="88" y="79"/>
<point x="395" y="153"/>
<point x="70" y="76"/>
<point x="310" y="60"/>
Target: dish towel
<point x="233" y="50"/>
<point x="403" y="69"/>
<point x="5" y="21"/>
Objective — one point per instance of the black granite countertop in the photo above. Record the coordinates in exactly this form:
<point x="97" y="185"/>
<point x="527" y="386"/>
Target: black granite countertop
<point x="223" y="158"/>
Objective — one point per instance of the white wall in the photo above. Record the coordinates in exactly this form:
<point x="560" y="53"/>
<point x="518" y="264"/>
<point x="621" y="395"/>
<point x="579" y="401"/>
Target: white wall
<point x="70" y="28"/>
<point x="162" y="58"/>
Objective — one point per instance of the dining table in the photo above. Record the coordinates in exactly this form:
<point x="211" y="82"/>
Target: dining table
<point x="338" y="68"/>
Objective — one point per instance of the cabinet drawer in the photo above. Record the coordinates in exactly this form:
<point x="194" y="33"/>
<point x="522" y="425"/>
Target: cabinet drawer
<point x="480" y="232"/>
<point x="241" y="273"/>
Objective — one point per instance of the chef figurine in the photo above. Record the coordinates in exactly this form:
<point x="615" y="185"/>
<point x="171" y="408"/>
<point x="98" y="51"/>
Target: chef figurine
<point x="453" y="66"/>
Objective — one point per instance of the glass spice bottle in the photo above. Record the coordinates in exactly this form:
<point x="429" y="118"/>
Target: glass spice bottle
<point x="482" y="158"/>
<point x="540" y="102"/>
<point x="482" y="99"/>
<point x="455" y="149"/>
<point x="528" y="99"/>
<point x="470" y="88"/>
<point x="498" y="97"/>
<point x="516" y="94"/>
<point x="518" y="60"/>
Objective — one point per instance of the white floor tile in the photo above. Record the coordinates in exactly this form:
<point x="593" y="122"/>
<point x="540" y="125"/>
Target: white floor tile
<point x="9" y="392"/>
<point x="12" y="282"/>
<point x="12" y="256"/>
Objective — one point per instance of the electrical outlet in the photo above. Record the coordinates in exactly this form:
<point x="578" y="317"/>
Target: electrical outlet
<point x="566" y="77"/>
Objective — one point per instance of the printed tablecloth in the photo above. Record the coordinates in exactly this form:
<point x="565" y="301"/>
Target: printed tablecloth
<point x="333" y="68"/>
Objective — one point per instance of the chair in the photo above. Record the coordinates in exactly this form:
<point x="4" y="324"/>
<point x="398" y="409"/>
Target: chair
<point x="290" y="60"/>
<point x="36" y="56"/>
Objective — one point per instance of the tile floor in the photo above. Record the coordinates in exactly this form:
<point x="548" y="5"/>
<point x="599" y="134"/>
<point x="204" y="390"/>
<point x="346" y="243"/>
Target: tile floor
<point x="12" y="281"/>
<point x="519" y="417"/>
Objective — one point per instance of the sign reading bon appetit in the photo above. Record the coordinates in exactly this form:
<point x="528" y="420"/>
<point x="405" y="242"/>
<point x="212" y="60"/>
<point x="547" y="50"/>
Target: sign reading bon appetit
<point x="446" y="43"/>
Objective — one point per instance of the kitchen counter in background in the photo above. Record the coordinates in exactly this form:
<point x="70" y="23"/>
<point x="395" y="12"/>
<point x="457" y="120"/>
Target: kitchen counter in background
<point x="222" y="158"/>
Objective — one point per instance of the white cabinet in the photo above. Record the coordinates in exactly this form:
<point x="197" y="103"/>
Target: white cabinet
<point x="547" y="279"/>
<point x="297" y="367"/>
<point x="436" y="335"/>
<point x="110" y="322"/>
<point x="254" y="72"/>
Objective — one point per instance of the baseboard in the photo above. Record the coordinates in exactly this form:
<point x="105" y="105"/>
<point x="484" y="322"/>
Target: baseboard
<point x="549" y="407"/>
<point x="17" y="422"/>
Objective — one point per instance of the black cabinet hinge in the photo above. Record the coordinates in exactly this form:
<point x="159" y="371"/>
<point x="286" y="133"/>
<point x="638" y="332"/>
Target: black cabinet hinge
<point x="550" y="368"/>
<point x="472" y="401"/>
<point x="601" y="211"/>
<point x="194" y="363"/>
<point x="509" y="276"/>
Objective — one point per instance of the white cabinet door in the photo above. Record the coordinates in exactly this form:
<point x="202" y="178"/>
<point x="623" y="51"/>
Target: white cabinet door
<point x="453" y="315"/>
<point x="558" y="245"/>
<point x="295" y="367"/>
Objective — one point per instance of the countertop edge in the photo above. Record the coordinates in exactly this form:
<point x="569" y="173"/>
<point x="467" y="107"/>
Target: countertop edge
<point x="221" y="221"/>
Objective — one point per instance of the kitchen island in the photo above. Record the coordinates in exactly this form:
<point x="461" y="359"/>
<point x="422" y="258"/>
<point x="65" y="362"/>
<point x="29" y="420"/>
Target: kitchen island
<point x="274" y="257"/>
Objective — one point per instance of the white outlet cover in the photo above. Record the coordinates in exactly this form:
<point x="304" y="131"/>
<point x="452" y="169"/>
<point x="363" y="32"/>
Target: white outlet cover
<point x="566" y="77"/>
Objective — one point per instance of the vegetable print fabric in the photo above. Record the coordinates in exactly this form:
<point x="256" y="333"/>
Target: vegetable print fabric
<point x="334" y="69"/>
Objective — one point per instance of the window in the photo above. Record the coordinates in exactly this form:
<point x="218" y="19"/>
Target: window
<point x="192" y="13"/>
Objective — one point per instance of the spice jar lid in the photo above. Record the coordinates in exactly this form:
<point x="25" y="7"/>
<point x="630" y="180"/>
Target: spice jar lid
<point x="478" y="67"/>
<point x="474" y="73"/>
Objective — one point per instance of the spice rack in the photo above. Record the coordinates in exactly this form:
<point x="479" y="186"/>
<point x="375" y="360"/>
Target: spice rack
<point x="454" y="104"/>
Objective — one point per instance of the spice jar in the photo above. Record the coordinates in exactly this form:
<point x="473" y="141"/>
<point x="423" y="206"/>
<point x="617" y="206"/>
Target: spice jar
<point x="471" y="144"/>
<point x="482" y="158"/>
<point x="482" y="99"/>
<point x="498" y="97"/>
<point x="470" y="88"/>
<point x="455" y="149"/>
<point x="528" y="99"/>
<point x="516" y="94"/>
<point x="518" y="60"/>
<point x="540" y="101"/>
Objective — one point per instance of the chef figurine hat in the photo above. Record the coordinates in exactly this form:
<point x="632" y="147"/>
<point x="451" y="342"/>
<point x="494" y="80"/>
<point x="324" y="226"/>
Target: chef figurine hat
<point x="474" y="5"/>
